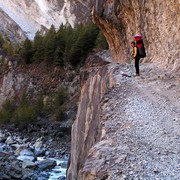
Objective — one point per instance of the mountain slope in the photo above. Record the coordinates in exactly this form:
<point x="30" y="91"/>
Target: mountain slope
<point x="9" y="28"/>
<point x="34" y="15"/>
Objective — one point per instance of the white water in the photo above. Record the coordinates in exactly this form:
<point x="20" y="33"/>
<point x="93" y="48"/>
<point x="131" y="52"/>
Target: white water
<point x="59" y="170"/>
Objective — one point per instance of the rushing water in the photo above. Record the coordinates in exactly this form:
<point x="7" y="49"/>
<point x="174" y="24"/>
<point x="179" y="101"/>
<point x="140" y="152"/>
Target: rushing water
<point x="59" y="171"/>
<point x="56" y="173"/>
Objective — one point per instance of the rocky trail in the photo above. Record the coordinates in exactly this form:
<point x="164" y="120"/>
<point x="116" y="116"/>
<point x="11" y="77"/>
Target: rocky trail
<point x="141" y="137"/>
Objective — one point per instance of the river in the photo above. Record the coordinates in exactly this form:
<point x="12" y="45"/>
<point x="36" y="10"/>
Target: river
<point x="21" y="158"/>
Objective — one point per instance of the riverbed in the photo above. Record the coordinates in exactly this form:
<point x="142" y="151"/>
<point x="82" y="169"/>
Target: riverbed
<point x="41" y="154"/>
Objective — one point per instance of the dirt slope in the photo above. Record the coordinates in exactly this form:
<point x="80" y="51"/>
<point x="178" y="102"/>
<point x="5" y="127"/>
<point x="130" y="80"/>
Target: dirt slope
<point x="142" y="126"/>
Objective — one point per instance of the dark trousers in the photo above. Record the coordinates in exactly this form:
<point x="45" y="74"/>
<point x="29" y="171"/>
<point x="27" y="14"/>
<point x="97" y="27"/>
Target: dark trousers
<point x="137" y="64"/>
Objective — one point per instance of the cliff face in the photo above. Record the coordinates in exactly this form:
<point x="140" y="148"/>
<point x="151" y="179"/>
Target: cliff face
<point x="34" y="79"/>
<point x="157" y="21"/>
<point x="33" y="15"/>
<point x="9" y="28"/>
<point x="87" y="129"/>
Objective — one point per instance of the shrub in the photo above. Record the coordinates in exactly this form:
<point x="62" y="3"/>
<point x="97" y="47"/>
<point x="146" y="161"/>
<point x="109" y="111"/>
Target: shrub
<point x="39" y="106"/>
<point x="59" y="102"/>
<point x="101" y="41"/>
<point x="1" y="40"/>
<point x="24" y="112"/>
<point x="6" y="111"/>
<point x="24" y="115"/>
<point x="60" y="97"/>
<point x="60" y="113"/>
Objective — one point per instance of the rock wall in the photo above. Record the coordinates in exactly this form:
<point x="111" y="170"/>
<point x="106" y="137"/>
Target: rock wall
<point x="11" y="84"/>
<point x="158" y="21"/>
<point x="10" y="29"/>
<point x="87" y="128"/>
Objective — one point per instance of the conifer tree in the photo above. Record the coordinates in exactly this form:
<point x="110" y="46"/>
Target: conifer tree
<point x="85" y="38"/>
<point x="38" y="47"/>
<point x="8" y="47"/>
<point x="50" y="44"/>
<point x="26" y="51"/>
<point x="58" y="57"/>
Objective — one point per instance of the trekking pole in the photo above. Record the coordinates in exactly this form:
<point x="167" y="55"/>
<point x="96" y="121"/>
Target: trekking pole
<point x="131" y="68"/>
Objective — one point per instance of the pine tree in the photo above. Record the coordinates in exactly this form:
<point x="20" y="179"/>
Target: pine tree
<point x="38" y="47"/>
<point x="50" y="44"/>
<point x="26" y="51"/>
<point x="58" y="57"/>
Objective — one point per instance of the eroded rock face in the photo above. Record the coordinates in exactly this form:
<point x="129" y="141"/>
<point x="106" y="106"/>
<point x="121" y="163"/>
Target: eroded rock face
<point x="158" y="21"/>
<point x="9" y="28"/>
<point x="87" y="129"/>
<point x="11" y="84"/>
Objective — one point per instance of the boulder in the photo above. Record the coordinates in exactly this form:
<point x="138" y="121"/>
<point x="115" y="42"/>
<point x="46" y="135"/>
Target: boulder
<point x="39" y="143"/>
<point x="23" y="158"/>
<point x="46" y="164"/>
<point x="2" y="137"/>
<point x="28" y="164"/>
<point x="9" y="140"/>
<point x="26" y="152"/>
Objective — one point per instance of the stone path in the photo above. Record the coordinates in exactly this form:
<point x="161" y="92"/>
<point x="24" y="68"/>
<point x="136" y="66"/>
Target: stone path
<point x="142" y="125"/>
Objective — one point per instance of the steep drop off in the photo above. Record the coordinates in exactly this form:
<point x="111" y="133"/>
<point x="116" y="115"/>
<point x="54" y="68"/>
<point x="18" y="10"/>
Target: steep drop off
<point x="158" y="21"/>
<point x="86" y="130"/>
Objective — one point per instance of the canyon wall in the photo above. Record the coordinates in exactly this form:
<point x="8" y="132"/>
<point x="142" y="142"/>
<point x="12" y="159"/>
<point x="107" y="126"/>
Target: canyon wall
<point x="158" y="21"/>
<point x="10" y="29"/>
<point x="87" y="128"/>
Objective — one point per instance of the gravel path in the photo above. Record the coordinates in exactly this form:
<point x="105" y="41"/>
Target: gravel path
<point x="142" y="120"/>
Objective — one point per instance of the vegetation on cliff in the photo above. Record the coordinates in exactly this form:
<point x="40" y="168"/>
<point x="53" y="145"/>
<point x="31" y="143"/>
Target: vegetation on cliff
<point x="66" y="45"/>
<point x="62" y="48"/>
<point x="25" y="110"/>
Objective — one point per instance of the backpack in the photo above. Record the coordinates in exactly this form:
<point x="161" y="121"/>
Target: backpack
<point x="140" y="46"/>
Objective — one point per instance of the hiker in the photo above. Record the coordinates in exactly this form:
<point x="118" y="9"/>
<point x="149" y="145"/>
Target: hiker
<point x="136" y="57"/>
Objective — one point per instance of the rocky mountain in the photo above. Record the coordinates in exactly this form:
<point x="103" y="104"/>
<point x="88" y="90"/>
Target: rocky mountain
<point x="157" y="21"/>
<point x="25" y="17"/>
<point x="9" y="28"/>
